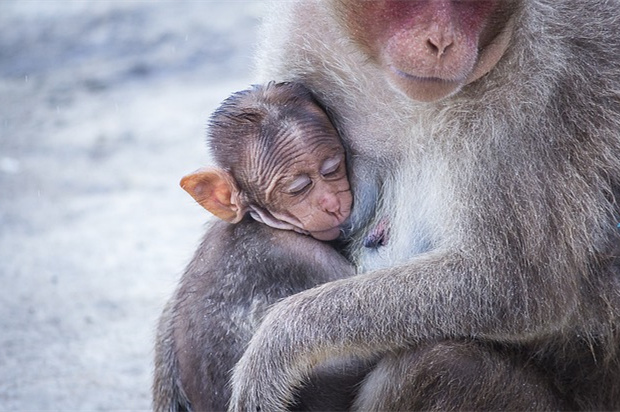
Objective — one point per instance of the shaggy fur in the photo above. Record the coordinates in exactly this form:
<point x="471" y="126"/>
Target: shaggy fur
<point x="499" y="287"/>
<point x="503" y="209"/>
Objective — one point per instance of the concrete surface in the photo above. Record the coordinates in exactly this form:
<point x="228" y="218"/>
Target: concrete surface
<point x="103" y="106"/>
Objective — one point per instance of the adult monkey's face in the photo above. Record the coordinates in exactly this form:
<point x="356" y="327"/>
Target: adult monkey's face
<point x="430" y="49"/>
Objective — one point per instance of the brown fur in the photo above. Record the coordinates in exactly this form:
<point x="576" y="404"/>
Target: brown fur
<point x="240" y="270"/>
<point x="221" y="300"/>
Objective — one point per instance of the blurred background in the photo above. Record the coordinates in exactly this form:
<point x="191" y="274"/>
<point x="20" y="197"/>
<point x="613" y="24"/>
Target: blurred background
<point x="103" y="106"/>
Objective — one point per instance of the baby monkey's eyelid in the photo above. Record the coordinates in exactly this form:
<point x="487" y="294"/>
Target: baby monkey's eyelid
<point x="331" y="165"/>
<point x="299" y="184"/>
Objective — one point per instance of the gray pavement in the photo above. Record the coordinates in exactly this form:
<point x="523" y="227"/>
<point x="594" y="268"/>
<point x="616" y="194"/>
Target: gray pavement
<point x="103" y="106"/>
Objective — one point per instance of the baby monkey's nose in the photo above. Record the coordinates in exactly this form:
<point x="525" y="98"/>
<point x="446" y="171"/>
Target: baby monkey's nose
<point x="330" y="203"/>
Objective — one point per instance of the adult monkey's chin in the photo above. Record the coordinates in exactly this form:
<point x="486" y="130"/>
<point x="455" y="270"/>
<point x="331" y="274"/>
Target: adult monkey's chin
<point x="423" y="89"/>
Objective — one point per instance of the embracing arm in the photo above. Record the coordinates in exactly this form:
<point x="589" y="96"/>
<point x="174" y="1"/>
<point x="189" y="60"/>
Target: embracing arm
<point x="438" y="295"/>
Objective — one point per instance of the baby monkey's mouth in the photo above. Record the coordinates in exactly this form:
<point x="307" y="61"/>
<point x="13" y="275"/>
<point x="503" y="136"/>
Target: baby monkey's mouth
<point x="330" y="231"/>
<point x="329" y="234"/>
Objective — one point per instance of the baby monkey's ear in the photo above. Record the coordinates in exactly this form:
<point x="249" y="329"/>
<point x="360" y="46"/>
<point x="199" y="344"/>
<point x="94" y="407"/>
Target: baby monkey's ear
<point x="215" y="190"/>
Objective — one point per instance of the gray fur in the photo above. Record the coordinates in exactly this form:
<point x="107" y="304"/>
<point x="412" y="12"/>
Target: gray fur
<point x="503" y="203"/>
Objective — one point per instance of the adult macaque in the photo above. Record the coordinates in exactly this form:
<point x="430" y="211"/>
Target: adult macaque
<point x="281" y="161"/>
<point x="486" y="133"/>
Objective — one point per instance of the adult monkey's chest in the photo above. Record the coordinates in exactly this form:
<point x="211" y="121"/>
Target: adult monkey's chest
<point x="415" y="213"/>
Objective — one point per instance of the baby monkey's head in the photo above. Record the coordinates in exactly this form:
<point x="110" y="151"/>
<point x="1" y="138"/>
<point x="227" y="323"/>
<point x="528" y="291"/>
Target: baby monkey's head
<point x="280" y="159"/>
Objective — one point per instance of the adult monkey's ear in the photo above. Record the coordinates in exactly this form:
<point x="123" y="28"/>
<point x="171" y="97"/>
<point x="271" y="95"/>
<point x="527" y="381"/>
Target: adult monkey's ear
<point x="215" y="190"/>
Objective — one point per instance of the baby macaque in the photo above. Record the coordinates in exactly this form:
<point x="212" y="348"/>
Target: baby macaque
<point x="281" y="165"/>
<point x="280" y="159"/>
